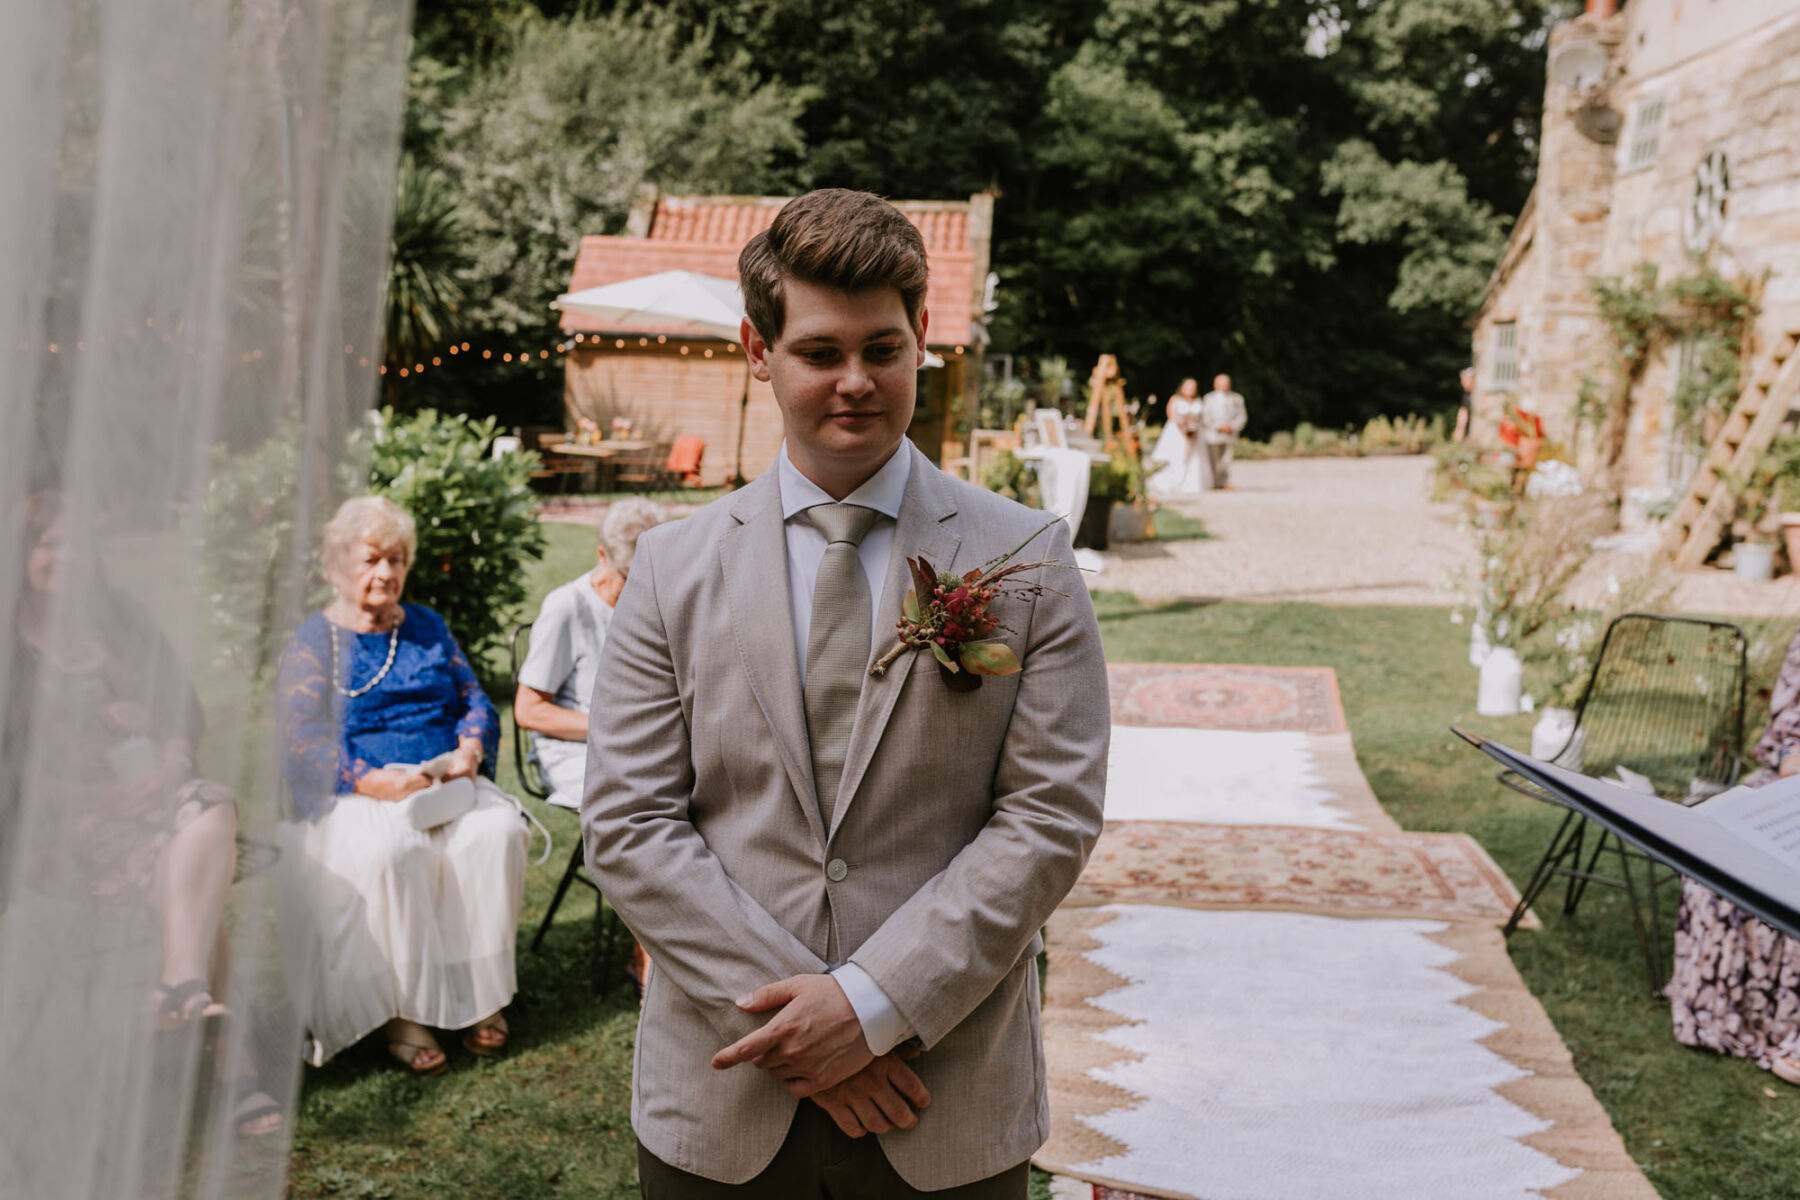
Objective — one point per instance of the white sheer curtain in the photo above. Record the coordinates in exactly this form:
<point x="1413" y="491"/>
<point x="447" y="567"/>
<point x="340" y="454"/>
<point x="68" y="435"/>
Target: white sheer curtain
<point x="194" y="208"/>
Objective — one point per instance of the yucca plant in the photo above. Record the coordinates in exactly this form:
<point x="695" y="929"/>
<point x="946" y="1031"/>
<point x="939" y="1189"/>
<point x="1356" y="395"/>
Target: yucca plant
<point x="423" y="295"/>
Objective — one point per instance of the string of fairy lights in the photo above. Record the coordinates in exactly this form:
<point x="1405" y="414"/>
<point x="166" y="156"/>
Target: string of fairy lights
<point x="441" y="357"/>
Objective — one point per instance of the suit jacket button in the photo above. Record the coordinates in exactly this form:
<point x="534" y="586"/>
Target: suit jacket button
<point x="836" y="869"/>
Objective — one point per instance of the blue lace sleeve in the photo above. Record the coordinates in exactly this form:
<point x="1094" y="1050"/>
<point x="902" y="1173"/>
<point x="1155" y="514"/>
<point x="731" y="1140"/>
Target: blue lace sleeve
<point x="313" y="759"/>
<point x="479" y="717"/>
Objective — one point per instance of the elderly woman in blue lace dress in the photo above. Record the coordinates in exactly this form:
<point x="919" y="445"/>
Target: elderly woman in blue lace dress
<point x="395" y="927"/>
<point x="1736" y="983"/>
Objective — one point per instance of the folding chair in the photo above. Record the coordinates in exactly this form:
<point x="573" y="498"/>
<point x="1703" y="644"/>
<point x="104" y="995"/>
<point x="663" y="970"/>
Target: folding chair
<point x="531" y="778"/>
<point x="1664" y="704"/>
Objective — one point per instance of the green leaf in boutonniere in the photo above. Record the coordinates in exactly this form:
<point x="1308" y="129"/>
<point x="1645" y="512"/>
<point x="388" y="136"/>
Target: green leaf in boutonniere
<point x="989" y="658"/>
<point x="909" y="608"/>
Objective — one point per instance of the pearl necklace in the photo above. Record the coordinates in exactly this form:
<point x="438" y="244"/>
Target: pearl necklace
<point x="349" y="693"/>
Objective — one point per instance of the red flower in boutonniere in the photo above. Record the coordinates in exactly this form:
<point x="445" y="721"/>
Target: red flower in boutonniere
<point x="949" y="613"/>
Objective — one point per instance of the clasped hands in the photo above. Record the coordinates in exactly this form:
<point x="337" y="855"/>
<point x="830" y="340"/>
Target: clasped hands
<point x="396" y="783"/>
<point x="814" y="1048"/>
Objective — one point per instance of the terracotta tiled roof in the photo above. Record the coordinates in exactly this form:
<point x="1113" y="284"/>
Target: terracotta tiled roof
<point x="705" y="234"/>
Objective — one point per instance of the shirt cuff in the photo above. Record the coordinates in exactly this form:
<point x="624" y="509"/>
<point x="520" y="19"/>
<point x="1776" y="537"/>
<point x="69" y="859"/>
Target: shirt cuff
<point x="882" y="1025"/>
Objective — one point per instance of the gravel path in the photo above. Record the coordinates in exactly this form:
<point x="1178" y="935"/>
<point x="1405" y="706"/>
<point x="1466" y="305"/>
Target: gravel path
<point x="1339" y="531"/>
<point x="1326" y="530"/>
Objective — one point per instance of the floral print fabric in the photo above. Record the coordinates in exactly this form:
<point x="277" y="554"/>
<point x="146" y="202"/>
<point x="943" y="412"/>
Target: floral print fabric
<point x="1736" y="983"/>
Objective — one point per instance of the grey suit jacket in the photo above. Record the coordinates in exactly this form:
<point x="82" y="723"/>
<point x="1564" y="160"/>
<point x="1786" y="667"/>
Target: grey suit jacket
<point x="963" y="820"/>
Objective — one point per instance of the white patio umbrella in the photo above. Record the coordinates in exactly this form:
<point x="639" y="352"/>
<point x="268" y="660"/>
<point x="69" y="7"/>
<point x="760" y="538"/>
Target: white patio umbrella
<point x="704" y="301"/>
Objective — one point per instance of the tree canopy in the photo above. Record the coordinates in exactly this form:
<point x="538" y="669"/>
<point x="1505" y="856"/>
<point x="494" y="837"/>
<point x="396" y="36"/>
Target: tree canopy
<point x="1308" y="194"/>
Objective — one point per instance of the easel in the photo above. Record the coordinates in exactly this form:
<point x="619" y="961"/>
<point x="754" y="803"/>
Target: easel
<point x="1106" y="411"/>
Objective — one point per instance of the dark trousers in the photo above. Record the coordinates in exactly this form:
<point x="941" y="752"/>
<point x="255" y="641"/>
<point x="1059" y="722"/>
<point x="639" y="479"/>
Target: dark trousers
<point x="818" y="1162"/>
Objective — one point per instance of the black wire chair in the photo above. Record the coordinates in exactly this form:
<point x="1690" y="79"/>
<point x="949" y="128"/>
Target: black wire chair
<point x="1663" y="709"/>
<point x="531" y="778"/>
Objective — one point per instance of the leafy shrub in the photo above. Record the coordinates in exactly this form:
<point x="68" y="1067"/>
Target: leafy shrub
<point x="1459" y="468"/>
<point x="1399" y="435"/>
<point x="476" y="517"/>
<point x="1108" y="481"/>
<point x="1381" y="435"/>
<point x="1784" y="459"/>
<point x="1006" y="474"/>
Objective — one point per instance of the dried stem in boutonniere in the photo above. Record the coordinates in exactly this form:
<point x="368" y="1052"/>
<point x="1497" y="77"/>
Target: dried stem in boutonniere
<point x="947" y="613"/>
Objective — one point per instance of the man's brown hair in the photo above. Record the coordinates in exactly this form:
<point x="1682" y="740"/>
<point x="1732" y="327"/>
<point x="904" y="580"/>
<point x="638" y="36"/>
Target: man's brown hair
<point x="835" y="238"/>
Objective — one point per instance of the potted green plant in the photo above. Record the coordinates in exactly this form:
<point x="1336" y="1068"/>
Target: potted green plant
<point x="1129" y="520"/>
<point x="1784" y="462"/>
<point x="1753" y="552"/>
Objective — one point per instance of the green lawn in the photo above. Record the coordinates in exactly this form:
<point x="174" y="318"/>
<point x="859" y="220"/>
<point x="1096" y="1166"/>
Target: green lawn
<point x="552" y="1118"/>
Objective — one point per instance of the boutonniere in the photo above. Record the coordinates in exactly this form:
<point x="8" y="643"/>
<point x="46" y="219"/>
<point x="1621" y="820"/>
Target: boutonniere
<point x="948" y="614"/>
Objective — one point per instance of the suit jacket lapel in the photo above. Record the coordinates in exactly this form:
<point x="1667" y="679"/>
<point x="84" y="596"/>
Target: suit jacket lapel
<point x="753" y="556"/>
<point x="920" y="530"/>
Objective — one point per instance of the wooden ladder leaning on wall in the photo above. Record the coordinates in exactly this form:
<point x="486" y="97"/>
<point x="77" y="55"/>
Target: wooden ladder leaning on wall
<point x="1708" y="507"/>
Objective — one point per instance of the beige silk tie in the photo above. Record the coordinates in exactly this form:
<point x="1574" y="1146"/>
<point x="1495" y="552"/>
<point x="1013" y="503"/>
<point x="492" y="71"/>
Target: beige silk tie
<point x="837" y="645"/>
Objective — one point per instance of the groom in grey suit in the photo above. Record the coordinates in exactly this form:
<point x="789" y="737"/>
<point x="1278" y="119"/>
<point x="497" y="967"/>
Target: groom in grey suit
<point x="840" y="878"/>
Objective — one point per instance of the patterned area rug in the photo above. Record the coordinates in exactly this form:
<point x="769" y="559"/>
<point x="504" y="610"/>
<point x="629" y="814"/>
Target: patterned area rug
<point x="1286" y="869"/>
<point x="1272" y="1056"/>
<point x="1211" y="696"/>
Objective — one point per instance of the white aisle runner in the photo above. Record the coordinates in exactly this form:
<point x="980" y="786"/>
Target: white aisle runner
<point x="1282" y="1055"/>
<point x="1228" y="777"/>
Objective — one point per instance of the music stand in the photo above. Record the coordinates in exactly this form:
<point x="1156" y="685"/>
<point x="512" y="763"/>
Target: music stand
<point x="1683" y="838"/>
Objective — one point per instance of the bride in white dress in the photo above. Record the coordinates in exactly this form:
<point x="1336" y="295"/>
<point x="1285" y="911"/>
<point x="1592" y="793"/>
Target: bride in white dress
<point x="1185" y="467"/>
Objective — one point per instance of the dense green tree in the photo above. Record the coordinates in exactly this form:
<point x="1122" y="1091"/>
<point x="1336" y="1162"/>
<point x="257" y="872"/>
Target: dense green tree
<point x="907" y="98"/>
<point x="549" y="128"/>
<point x="1307" y="193"/>
<point x="1280" y="189"/>
<point x="556" y="136"/>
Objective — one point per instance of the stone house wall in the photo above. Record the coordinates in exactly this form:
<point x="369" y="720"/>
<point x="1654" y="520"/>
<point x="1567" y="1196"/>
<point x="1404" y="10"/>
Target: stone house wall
<point x="1726" y="79"/>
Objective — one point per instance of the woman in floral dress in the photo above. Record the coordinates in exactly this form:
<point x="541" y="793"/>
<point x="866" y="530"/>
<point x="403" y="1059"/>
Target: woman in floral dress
<point x="1736" y="984"/>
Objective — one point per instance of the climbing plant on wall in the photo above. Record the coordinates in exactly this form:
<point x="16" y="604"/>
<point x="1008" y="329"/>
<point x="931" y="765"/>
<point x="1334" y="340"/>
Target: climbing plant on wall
<point x="1644" y="317"/>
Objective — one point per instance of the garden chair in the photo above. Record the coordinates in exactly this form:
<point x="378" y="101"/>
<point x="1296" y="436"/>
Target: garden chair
<point x="531" y="778"/>
<point x="1664" y="710"/>
<point x="685" y="455"/>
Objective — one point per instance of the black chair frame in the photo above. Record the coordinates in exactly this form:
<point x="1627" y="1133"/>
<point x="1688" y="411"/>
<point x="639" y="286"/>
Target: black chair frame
<point x="1564" y="856"/>
<point x="531" y="778"/>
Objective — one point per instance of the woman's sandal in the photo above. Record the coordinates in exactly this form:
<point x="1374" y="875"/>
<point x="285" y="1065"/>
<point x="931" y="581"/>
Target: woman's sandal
<point x="407" y="1053"/>
<point x="180" y="1004"/>
<point x="487" y="1038"/>
<point x="252" y="1107"/>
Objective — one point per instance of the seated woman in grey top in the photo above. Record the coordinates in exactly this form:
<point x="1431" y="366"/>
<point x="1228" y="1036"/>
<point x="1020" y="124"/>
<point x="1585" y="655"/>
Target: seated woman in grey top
<point x="557" y="677"/>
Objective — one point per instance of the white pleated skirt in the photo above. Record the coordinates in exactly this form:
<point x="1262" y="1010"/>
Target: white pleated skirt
<point x="382" y="920"/>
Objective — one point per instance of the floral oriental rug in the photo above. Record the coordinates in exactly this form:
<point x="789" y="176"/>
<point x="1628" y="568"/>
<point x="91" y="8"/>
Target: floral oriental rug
<point x="1284" y="869"/>
<point x="1216" y="696"/>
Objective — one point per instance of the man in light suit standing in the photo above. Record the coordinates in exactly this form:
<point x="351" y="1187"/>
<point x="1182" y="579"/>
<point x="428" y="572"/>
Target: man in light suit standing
<point x="1222" y="419"/>
<point x="841" y="878"/>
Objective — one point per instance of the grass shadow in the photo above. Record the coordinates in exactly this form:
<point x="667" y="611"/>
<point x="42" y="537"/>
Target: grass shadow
<point x="1173" y="525"/>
